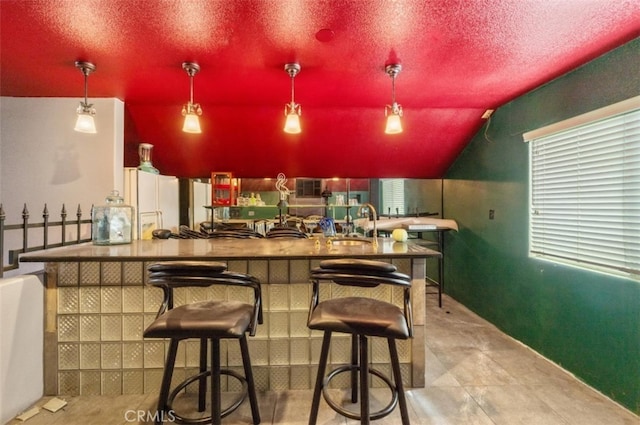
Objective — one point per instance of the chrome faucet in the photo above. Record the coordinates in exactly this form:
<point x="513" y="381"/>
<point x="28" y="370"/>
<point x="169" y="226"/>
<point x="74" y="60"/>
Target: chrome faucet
<point x="375" y="217"/>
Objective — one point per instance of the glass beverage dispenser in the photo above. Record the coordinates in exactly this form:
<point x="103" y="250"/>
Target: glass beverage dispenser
<point x="112" y="223"/>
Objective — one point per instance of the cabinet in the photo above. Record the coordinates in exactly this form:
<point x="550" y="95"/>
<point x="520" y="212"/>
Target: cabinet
<point x="224" y="189"/>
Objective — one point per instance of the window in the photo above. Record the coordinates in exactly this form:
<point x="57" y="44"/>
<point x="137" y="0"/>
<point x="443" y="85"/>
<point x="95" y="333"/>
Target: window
<point x="585" y="190"/>
<point x="392" y="196"/>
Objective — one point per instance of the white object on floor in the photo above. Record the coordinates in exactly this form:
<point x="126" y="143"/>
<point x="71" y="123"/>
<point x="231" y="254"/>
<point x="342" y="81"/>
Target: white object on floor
<point x="28" y="414"/>
<point x="54" y="404"/>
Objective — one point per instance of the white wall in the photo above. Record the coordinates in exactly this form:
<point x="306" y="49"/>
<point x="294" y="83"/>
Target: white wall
<point x="21" y="344"/>
<point x="43" y="160"/>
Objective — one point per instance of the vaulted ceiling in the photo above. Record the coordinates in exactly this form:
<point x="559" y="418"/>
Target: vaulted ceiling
<point x="459" y="58"/>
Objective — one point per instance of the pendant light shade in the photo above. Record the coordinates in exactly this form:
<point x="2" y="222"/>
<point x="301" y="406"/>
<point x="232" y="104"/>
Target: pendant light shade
<point x="191" y="111"/>
<point x="85" y="122"/>
<point x="394" y="124"/>
<point x="191" y="123"/>
<point x="292" y="123"/>
<point x="292" y="110"/>
<point x="393" y="112"/>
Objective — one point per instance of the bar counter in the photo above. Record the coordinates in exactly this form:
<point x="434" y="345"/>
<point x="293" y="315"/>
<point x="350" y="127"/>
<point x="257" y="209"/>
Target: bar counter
<point x="97" y="305"/>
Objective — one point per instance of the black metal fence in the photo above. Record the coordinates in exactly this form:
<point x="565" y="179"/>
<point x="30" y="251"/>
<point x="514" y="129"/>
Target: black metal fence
<point x="24" y="235"/>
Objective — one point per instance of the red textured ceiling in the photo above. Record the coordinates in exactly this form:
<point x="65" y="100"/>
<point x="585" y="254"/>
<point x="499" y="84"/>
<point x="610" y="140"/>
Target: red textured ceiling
<point x="459" y="58"/>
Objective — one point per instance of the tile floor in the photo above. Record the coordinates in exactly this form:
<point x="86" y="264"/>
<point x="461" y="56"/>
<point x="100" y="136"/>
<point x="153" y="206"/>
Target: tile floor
<point x="474" y="375"/>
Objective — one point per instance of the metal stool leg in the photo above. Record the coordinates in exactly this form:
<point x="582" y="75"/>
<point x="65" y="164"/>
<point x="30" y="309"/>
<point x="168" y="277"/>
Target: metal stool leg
<point x="216" y="405"/>
<point x="354" y="371"/>
<point x="166" y="377"/>
<point x="364" y="381"/>
<point x="395" y="365"/>
<point x="202" y="384"/>
<point x="248" y="374"/>
<point x="322" y="365"/>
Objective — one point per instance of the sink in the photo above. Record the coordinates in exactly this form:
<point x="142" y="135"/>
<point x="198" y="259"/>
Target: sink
<point x="350" y="242"/>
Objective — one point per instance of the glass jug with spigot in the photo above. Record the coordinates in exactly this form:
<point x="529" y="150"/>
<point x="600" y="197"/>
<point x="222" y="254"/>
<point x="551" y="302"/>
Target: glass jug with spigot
<point x="112" y="223"/>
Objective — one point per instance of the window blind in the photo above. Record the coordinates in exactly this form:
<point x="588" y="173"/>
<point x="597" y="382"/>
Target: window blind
<point x="585" y="194"/>
<point x="392" y="196"/>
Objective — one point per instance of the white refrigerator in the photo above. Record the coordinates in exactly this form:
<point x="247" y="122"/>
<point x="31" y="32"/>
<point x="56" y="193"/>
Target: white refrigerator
<point x="201" y="198"/>
<point x="155" y="199"/>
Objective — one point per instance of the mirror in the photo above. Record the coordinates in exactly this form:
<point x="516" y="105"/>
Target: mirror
<point x="391" y="197"/>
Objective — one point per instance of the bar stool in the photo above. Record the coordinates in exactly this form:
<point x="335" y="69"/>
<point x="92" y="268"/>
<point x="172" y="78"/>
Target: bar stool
<point x="211" y="320"/>
<point x="361" y="317"/>
<point x="286" y="233"/>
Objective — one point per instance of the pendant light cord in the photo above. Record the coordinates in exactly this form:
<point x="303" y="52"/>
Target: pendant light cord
<point x="86" y="74"/>
<point x="393" y="89"/>
<point x="292" y="91"/>
<point x="191" y="86"/>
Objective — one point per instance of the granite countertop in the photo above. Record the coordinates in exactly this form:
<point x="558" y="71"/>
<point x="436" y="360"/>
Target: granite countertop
<point x="224" y="249"/>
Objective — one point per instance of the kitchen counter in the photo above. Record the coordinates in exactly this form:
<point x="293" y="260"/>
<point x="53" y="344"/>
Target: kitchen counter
<point x="223" y="249"/>
<point x="97" y="305"/>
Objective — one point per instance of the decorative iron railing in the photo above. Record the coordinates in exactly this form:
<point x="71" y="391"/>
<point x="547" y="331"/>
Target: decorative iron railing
<point x="44" y="238"/>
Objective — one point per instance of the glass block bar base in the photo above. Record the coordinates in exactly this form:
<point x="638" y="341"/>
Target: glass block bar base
<point x="96" y="313"/>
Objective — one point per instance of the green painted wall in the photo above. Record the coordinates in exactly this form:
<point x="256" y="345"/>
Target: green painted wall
<point x="587" y="322"/>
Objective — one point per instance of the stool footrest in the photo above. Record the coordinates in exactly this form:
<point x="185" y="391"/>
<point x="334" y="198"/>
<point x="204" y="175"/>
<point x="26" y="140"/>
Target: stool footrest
<point x="207" y="420"/>
<point x="350" y="414"/>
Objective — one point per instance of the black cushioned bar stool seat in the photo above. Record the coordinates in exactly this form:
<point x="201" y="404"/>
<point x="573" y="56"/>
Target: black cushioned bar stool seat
<point x="361" y="317"/>
<point x="210" y="320"/>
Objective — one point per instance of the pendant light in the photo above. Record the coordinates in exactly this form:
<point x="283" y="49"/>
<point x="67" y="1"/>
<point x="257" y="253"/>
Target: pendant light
<point x="191" y="110"/>
<point x="292" y="110"/>
<point x="85" y="122"/>
<point x="393" y="112"/>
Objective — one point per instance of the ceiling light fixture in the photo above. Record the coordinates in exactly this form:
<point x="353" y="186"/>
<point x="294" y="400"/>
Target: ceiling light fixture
<point x="292" y="110"/>
<point x="85" y="122"/>
<point x="191" y="110"/>
<point x="393" y="112"/>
